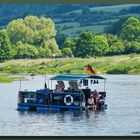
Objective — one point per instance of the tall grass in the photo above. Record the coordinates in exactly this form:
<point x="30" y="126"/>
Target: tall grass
<point x="8" y="79"/>
<point x="112" y="65"/>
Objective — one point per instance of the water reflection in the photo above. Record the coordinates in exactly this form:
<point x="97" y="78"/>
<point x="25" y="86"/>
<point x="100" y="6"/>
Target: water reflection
<point x="61" y="116"/>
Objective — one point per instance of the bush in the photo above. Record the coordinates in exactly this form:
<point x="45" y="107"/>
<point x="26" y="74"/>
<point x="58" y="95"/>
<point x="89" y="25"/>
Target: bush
<point x="67" y="52"/>
<point x="132" y="47"/>
<point x="26" y="51"/>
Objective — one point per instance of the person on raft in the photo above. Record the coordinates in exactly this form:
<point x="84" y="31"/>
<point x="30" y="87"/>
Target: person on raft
<point x="96" y="97"/>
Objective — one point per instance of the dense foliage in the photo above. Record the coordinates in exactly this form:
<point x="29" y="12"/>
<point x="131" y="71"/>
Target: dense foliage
<point x="31" y="29"/>
<point x="6" y="51"/>
<point x="34" y="37"/>
<point x="131" y="30"/>
<point x="88" y="45"/>
<point x="116" y="25"/>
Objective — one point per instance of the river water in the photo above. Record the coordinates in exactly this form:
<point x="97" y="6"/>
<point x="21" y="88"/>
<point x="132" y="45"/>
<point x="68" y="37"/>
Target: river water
<point x="122" y="117"/>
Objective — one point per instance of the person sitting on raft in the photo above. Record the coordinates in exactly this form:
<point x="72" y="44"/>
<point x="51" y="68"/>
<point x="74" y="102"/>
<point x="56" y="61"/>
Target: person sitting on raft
<point x="57" y="88"/>
<point x="90" y="101"/>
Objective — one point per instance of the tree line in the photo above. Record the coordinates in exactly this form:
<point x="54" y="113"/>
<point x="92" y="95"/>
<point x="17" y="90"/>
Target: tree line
<point x="126" y="41"/>
<point x="35" y="37"/>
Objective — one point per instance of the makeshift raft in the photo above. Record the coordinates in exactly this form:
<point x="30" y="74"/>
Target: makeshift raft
<point x="77" y="96"/>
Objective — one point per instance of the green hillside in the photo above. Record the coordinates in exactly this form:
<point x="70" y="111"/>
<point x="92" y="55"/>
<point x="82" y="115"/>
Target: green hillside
<point x="71" y="19"/>
<point x="97" y="29"/>
<point x="112" y="8"/>
<point x="95" y="20"/>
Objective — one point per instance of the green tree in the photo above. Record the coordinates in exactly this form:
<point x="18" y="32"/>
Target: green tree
<point x="60" y="39"/>
<point x="88" y="45"/>
<point x="117" y="48"/>
<point x="116" y="27"/>
<point x="26" y="51"/>
<point x="51" y="45"/>
<point x="5" y="46"/>
<point x="132" y="47"/>
<point x="31" y="30"/>
<point x="131" y="29"/>
<point x="67" y="52"/>
<point x="45" y="52"/>
<point x="69" y="43"/>
<point x="84" y="44"/>
<point x="111" y="38"/>
<point x="100" y="46"/>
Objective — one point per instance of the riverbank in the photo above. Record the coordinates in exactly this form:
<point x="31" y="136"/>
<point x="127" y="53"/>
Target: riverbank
<point x="8" y="78"/>
<point x="124" y="64"/>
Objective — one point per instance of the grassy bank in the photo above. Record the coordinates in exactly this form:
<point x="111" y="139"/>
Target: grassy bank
<point x="126" y="64"/>
<point x="4" y="78"/>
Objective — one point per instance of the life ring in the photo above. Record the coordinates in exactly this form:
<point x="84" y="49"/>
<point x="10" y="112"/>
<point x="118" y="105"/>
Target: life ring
<point x="68" y="100"/>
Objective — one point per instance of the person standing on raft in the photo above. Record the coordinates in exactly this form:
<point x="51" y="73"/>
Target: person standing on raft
<point x="96" y="97"/>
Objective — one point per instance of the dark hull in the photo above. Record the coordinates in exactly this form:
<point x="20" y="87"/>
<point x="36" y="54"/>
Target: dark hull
<point x="42" y="107"/>
<point x="44" y="100"/>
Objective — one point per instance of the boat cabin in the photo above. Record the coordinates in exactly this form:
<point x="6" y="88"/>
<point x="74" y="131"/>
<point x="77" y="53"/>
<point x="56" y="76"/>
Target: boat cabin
<point x="70" y="92"/>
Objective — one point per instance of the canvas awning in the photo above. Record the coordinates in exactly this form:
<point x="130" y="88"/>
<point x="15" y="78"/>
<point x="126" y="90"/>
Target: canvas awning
<point x="96" y="77"/>
<point x="75" y="77"/>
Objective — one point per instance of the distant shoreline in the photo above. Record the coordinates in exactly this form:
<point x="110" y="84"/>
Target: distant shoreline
<point x="122" y="64"/>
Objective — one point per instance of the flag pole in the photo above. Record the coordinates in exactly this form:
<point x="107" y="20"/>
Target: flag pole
<point x="45" y="85"/>
<point x="20" y="85"/>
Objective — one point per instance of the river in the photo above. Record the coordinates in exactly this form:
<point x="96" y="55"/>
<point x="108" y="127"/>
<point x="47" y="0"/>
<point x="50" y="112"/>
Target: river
<point x="122" y="117"/>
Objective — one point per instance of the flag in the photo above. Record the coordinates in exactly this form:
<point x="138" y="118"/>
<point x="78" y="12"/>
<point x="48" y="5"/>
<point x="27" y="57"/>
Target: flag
<point x="90" y="70"/>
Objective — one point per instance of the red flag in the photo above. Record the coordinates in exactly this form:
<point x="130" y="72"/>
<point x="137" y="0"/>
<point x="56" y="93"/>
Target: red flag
<point x="90" y="70"/>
